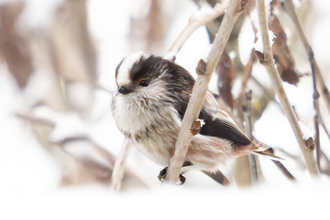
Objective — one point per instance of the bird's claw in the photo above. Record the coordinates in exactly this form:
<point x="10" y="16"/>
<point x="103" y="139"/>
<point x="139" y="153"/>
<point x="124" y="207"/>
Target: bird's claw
<point x="162" y="175"/>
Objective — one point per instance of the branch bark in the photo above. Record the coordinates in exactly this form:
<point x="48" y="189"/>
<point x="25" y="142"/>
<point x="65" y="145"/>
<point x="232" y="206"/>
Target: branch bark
<point x="119" y="168"/>
<point x="267" y="60"/>
<point x="204" y="71"/>
<point x="197" y="19"/>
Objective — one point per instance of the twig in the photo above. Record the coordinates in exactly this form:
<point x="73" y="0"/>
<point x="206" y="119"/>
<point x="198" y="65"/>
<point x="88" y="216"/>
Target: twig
<point x="32" y="118"/>
<point x="267" y="60"/>
<point x="317" y="141"/>
<point x="283" y="169"/>
<point x="247" y="72"/>
<point x="197" y="19"/>
<point x="248" y="127"/>
<point x="326" y="168"/>
<point x="289" y="8"/>
<point x="119" y="168"/>
<point x="316" y="104"/>
<point x="204" y="71"/>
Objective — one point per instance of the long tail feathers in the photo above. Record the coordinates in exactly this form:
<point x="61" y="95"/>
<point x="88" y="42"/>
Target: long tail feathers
<point x="259" y="149"/>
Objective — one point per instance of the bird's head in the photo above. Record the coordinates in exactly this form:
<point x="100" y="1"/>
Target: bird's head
<point x="140" y="73"/>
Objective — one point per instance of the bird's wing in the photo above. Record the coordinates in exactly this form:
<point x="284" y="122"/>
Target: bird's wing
<point x="219" y="124"/>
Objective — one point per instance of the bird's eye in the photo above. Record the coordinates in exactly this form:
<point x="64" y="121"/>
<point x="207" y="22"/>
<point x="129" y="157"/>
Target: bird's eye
<point x="144" y="83"/>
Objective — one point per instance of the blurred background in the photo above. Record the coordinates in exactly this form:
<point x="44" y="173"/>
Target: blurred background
<point x="59" y="142"/>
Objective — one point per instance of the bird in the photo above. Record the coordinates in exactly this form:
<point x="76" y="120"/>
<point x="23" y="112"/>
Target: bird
<point x="148" y="105"/>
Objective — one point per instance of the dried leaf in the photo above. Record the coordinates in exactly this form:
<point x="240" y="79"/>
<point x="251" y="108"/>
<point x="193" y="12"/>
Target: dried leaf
<point x="282" y="55"/>
<point x="225" y="79"/>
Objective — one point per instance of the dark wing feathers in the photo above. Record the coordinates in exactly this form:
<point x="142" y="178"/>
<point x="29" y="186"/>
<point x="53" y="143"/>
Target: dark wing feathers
<point x="222" y="129"/>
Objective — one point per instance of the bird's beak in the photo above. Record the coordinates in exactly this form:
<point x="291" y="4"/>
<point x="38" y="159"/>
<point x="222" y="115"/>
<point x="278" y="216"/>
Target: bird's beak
<point x="123" y="90"/>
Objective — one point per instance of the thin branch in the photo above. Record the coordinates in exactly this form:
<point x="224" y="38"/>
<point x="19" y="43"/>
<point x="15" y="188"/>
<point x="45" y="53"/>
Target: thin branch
<point x="34" y="119"/>
<point x="316" y="104"/>
<point x="247" y="72"/>
<point x="197" y="19"/>
<point x="204" y="71"/>
<point x="317" y="141"/>
<point x="248" y="127"/>
<point x="326" y="164"/>
<point x="119" y="168"/>
<point x="289" y="8"/>
<point x="134" y="173"/>
<point x="267" y="60"/>
<point x="282" y="168"/>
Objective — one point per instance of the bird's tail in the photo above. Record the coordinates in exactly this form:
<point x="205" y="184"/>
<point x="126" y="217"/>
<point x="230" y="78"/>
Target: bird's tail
<point x="259" y="149"/>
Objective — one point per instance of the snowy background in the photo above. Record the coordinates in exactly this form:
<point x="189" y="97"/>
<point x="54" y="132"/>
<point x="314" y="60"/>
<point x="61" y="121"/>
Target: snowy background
<point x="30" y="177"/>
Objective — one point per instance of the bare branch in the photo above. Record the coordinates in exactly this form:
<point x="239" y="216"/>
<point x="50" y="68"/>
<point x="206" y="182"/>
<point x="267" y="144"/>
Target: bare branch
<point x="248" y="127"/>
<point x="267" y="60"/>
<point x="289" y="8"/>
<point x="119" y="168"/>
<point x="247" y="72"/>
<point x="317" y="140"/>
<point x="197" y="19"/>
<point x="33" y="119"/>
<point x="316" y="104"/>
<point x="204" y="71"/>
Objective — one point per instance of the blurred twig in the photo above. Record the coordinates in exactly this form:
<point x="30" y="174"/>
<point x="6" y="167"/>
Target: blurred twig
<point x="226" y="76"/>
<point x="248" y="127"/>
<point x="84" y="162"/>
<point x="197" y="19"/>
<point x="267" y="60"/>
<point x="119" y="168"/>
<point x="204" y="71"/>
<point x="247" y="72"/>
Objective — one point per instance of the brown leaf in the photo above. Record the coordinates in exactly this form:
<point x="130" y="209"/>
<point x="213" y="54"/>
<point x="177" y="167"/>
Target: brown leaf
<point x="225" y="79"/>
<point x="282" y="55"/>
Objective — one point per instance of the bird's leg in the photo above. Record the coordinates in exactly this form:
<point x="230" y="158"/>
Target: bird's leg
<point x="162" y="174"/>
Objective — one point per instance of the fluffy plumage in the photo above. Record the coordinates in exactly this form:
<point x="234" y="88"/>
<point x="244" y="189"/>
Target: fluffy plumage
<point x="148" y="106"/>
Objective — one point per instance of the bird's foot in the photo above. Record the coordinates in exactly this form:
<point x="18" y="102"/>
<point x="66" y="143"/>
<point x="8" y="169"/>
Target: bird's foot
<point x="162" y="175"/>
